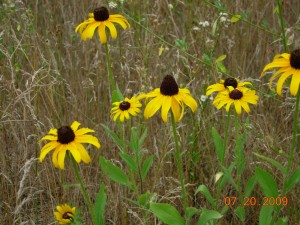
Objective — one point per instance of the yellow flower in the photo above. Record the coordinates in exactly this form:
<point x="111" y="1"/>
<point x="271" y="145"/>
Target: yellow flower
<point x="100" y="18"/>
<point x="167" y="97"/>
<point x="289" y="65"/>
<point x="64" y="214"/>
<point x="240" y="97"/>
<point x="127" y="107"/>
<point x="223" y="84"/>
<point x="68" y="138"/>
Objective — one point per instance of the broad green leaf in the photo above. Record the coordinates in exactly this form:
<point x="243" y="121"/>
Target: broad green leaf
<point x="166" y="213"/>
<point x="191" y="211"/>
<point x="144" y="199"/>
<point x="117" y="95"/>
<point x="221" y="58"/>
<point x="146" y="166"/>
<point x="114" y="172"/>
<point x="265" y="215"/>
<point x="228" y="177"/>
<point x="267" y="182"/>
<point x="204" y="190"/>
<point x="99" y="207"/>
<point x="114" y="136"/>
<point x="240" y="212"/>
<point x="282" y="221"/>
<point x="219" y="144"/>
<point x="273" y="162"/>
<point x="250" y="185"/>
<point x="235" y="18"/>
<point x="221" y="67"/>
<point x="129" y="161"/>
<point x="293" y="180"/>
<point x="207" y="215"/>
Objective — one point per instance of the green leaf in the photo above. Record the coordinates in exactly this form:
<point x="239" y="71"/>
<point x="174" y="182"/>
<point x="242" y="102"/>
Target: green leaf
<point x="239" y="152"/>
<point x="114" y="136"/>
<point x="204" y="190"/>
<point x="142" y="138"/>
<point x="219" y="144"/>
<point x="282" y="221"/>
<point x="293" y="180"/>
<point x="129" y="161"/>
<point x="191" y="211"/>
<point x="114" y="172"/>
<point x="250" y="185"/>
<point x="144" y="199"/>
<point x="166" y="213"/>
<point x="214" y="28"/>
<point x="273" y="162"/>
<point x="235" y="18"/>
<point x="228" y="177"/>
<point x="99" y="207"/>
<point x="117" y="95"/>
<point x="240" y="212"/>
<point x="267" y="183"/>
<point x="146" y="166"/>
<point x="221" y="67"/>
<point x="221" y="58"/>
<point x="207" y="215"/>
<point x="265" y="215"/>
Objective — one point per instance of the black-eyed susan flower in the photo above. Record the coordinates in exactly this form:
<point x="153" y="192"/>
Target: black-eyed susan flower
<point x="223" y="84"/>
<point x="64" y="214"/>
<point x="167" y="97"/>
<point x="289" y="65"/>
<point x="68" y="138"/>
<point x="127" y="107"/>
<point x="101" y="19"/>
<point x="239" y="97"/>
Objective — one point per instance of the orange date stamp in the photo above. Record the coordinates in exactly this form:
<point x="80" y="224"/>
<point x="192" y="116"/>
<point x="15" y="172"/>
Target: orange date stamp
<point x="253" y="201"/>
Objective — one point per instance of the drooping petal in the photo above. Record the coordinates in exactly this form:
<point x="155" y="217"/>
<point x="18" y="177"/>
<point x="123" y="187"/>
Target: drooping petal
<point x="278" y="72"/>
<point x="112" y="28"/>
<point x="47" y="148"/>
<point x="189" y="101"/>
<point x="281" y="80"/>
<point x="72" y="147"/>
<point x="84" y="154"/>
<point x="245" y="106"/>
<point x="276" y="63"/>
<point x="166" y="104"/>
<point x="229" y="104"/>
<point x="237" y="105"/>
<point x="61" y="158"/>
<point x="153" y="106"/>
<point x="89" y="31"/>
<point x="294" y="86"/>
<point x="102" y="33"/>
<point x="214" y="88"/>
<point x="176" y="109"/>
<point x="88" y="139"/>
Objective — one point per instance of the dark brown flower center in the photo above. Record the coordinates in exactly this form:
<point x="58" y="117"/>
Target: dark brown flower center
<point x="66" y="216"/>
<point x="230" y="82"/>
<point x="169" y="86"/>
<point x="101" y="14"/>
<point x="65" y="135"/>
<point x="236" y="94"/>
<point x="295" y="59"/>
<point x="124" y="106"/>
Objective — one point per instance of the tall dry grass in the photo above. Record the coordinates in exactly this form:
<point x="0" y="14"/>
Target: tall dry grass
<point x="49" y="77"/>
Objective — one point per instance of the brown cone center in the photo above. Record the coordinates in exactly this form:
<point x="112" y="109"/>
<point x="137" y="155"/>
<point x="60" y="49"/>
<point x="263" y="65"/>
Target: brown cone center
<point x="169" y="86"/>
<point x="65" y="135"/>
<point x="236" y="94"/>
<point x="101" y="14"/>
<point x="295" y="59"/>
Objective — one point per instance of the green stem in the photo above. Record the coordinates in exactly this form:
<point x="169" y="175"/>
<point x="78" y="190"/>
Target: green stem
<point x="226" y="137"/>
<point x="282" y="25"/>
<point x="109" y="70"/>
<point x="179" y="162"/>
<point x="85" y="194"/>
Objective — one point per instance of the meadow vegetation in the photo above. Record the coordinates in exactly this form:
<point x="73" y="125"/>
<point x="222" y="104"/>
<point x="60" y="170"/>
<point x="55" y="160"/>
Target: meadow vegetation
<point x="49" y="78"/>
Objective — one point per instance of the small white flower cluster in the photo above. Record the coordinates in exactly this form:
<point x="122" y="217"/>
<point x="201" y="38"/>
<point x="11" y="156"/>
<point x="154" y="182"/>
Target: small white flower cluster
<point x="204" y="23"/>
<point x="112" y="5"/>
<point x="203" y="98"/>
<point x="224" y="19"/>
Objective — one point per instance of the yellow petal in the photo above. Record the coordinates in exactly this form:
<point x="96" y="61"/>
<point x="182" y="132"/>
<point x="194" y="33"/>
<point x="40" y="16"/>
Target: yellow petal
<point x="214" y="88"/>
<point x="89" y="31"/>
<point x="84" y="154"/>
<point x="49" y="137"/>
<point x="245" y="106"/>
<point x="237" y="106"/>
<point x="47" y="148"/>
<point x="88" y="139"/>
<point x="166" y="104"/>
<point x="75" y="126"/>
<point x="112" y="28"/>
<point x="281" y="80"/>
<point x="102" y="34"/>
<point x="75" y="153"/>
<point x="278" y="72"/>
<point x="61" y="158"/>
<point x="189" y="101"/>
<point x="176" y="109"/>
<point x="294" y="87"/>
<point x="276" y="63"/>
<point x="82" y="131"/>
<point x="229" y="104"/>
<point x="153" y="106"/>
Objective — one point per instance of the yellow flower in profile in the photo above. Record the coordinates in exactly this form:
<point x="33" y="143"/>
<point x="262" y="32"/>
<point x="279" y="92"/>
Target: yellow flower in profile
<point x="240" y="97"/>
<point x="64" y="214"/>
<point x="167" y="97"/>
<point x="68" y="138"/>
<point x="289" y="65"/>
<point x="127" y="107"/>
<point x="101" y="19"/>
<point x="223" y="84"/>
